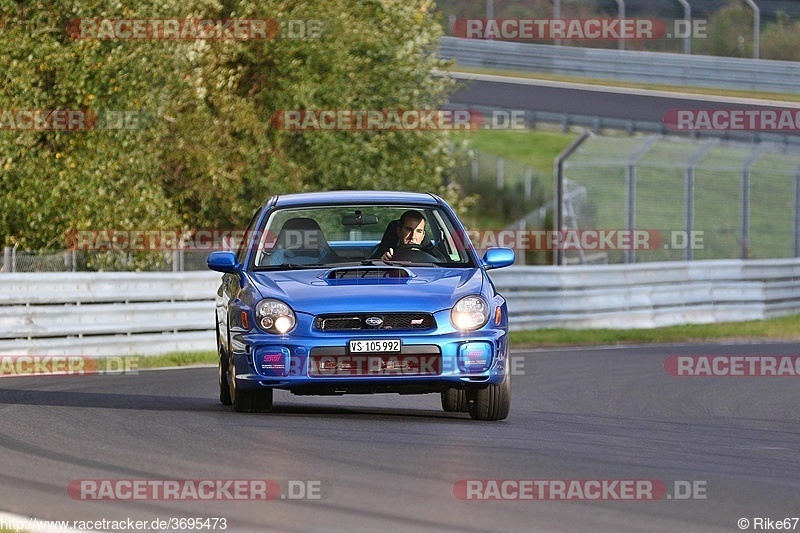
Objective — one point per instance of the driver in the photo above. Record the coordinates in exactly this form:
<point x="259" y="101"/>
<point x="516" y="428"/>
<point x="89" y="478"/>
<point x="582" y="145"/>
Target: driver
<point x="410" y="232"/>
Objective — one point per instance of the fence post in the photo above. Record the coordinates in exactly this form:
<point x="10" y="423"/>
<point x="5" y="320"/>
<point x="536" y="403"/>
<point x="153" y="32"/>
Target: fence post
<point x="620" y="16"/>
<point x="797" y="213"/>
<point x="630" y="190"/>
<point x="556" y="16"/>
<point x="757" y="152"/>
<point x="558" y="193"/>
<point x="687" y="16"/>
<point x="745" y="212"/>
<point x="630" y="205"/>
<point x="500" y="172"/>
<point x="688" y="203"/>
<point x="688" y="192"/>
<point x="7" y="266"/>
<point x="528" y="183"/>
<point x="756" y="28"/>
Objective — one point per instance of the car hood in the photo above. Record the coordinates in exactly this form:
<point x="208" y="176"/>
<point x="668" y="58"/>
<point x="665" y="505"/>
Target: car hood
<point x="426" y="289"/>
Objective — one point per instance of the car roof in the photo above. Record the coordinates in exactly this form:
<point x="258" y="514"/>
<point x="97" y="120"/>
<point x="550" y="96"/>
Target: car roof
<point x="355" y="197"/>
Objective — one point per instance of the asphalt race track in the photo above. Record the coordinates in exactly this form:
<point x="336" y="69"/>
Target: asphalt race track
<point x="589" y="100"/>
<point x="391" y="462"/>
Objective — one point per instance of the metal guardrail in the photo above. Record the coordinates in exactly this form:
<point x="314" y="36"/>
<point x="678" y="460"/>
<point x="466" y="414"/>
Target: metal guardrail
<point x="113" y="313"/>
<point x="103" y="314"/>
<point x="649" y="294"/>
<point x="629" y="66"/>
<point x="71" y="260"/>
<point x="600" y="124"/>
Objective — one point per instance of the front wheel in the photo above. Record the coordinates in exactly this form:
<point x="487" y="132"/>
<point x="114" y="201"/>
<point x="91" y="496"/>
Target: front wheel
<point x="224" y="386"/>
<point x="455" y="401"/>
<point x="248" y="401"/>
<point x="492" y="402"/>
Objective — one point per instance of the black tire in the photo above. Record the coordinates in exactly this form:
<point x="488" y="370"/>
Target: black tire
<point x="224" y="386"/>
<point x="253" y="401"/>
<point x="492" y="402"/>
<point x="455" y="401"/>
<point x="246" y="401"/>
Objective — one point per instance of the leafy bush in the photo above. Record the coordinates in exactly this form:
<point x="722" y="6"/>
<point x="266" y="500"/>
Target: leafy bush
<point x="209" y="155"/>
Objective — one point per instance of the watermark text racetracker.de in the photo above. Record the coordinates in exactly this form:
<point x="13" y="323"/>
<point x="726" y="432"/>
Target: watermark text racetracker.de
<point x="579" y="29"/>
<point x="579" y="489"/>
<point x="197" y="489"/>
<point x="310" y="120"/>
<point x="73" y="120"/>
<point x="143" y="240"/>
<point x="732" y="365"/>
<point x="751" y="119"/>
<point x="116" y="29"/>
<point x="473" y="360"/>
<point x="66" y="365"/>
<point x="587" y="239"/>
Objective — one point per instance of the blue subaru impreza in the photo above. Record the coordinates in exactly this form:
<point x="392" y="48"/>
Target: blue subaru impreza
<point x="361" y="292"/>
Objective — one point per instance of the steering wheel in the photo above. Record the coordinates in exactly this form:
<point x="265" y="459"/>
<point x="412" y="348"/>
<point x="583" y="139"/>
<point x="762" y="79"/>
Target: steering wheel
<point x="415" y="253"/>
<point x="432" y="249"/>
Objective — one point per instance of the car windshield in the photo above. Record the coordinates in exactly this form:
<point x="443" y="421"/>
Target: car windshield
<point x="314" y="237"/>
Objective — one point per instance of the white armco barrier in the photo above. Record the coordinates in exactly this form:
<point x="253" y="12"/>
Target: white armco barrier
<point x="741" y="73"/>
<point x="110" y="313"/>
<point x="120" y="313"/>
<point x="649" y="295"/>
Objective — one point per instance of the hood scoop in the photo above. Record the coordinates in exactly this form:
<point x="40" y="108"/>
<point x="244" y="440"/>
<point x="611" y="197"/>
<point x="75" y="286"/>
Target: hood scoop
<point x="372" y="273"/>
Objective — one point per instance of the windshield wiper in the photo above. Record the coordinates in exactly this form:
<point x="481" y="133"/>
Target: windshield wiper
<point x="285" y="266"/>
<point x="411" y="263"/>
<point x="379" y="263"/>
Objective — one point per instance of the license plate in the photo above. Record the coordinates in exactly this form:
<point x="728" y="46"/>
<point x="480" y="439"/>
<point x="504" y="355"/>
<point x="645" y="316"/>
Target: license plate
<point x="375" y="346"/>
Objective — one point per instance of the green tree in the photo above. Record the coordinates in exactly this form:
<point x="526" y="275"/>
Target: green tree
<point x="209" y="155"/>
<point x="781" y="39"/>
<point x="730" y="32"/>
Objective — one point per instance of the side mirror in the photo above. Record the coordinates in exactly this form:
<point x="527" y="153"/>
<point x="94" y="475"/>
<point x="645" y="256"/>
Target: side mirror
<point x="498" y="258"/>
<point x="223" y="262"/>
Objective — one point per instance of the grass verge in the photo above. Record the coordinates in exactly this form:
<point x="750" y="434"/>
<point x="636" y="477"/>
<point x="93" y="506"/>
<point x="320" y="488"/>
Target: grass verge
<point x="177" y="359"/>
<point x="535" y="148"/>
<point x="782" y="328"/>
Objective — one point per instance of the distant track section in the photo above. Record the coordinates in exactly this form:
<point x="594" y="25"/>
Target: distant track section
<point x="593" y="100"/>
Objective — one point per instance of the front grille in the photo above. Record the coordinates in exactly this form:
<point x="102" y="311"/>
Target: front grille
<point x="360" y="321"/>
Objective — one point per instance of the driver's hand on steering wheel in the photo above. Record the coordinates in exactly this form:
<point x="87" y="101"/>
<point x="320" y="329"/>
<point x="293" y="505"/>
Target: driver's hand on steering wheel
<point x="387" y="256"/>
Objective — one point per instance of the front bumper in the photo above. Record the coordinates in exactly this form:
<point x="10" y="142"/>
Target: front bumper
<point x="322" y="364"/>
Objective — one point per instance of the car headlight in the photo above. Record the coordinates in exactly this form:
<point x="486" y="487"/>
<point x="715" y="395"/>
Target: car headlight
<point x="470" y="312"/>
<point x="275" y="316"/>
